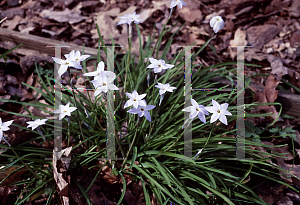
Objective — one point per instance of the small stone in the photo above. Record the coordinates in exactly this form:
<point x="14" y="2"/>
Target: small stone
<point x="287" y="44"/>
<point x="270" y="50"/>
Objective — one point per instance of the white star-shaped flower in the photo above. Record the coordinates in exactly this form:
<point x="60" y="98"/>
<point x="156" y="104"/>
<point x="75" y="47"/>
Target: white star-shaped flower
<point x="36" y="123"/>
<point x="64" y="110"/>
<point x="177" y="3"/>
<point x="217" y="23"/>
<point x="100" y="68"/>
<point x="164" y="88"/>
<point x="158" y="65"/>
<point x="64" y="64"/>
<point x="195" y="110"/>
<point x="135" y="99"/>
<point x="103" y="84"/>
<point x="77" y="57"/>
<point x="142" y="110"/>
<point x="129" y="18"/>
<point x="219" y="112"/>
<point x="4" y="127"/>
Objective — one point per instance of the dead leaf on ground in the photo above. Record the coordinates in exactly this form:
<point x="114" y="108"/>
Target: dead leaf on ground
<point x="268" y="96"/>
<point x="63" y="16"/>
<point x="277" y="67"/>
<point x="257" y="36"/>
<point x="190" y="15"/>
<point x="12" y="178"/>
<point x="239" y="39"/>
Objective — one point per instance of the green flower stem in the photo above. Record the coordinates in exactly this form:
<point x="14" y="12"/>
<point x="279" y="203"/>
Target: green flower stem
<point x="40" y="131"/>
<point x="76" y="109"/>
<point x="152" y="126"/>
<point x="130" y="148"/>
<point x="98" y="121"/>
<point x="159" y="37"/>
<point x="155" y="79"/>
<point x="171" y="12"/>
<point x="201" y="49"/>
<point x="3" y="20"/>
<point x="69" y="135"/>
<point x="129" y="34"/>
<point x="206" y="141"/>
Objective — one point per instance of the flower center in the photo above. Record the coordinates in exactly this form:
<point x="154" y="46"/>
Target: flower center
<point x="159" y="65"/>
<point x="218" y="111"/>
<point x="77" y="59"/>
<point x="218" y="19"/>
<point x="65" y="111"/>
<point x="134" y="100"/>
<point x="104" y="84"/>
<point x="67" y="63"/>
<point x="197" y="109"/>
<point x="142" y="109"/>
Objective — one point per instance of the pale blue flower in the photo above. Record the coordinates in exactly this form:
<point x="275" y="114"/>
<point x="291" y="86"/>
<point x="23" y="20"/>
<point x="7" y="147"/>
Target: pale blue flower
<point x="219" y="112"/>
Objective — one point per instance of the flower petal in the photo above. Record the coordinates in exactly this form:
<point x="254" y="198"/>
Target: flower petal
<point x="122" y="21"/>
<point x="216" y="104"/>
<point x="8" y="123"/>
<point x="128" y="103"/>
<point x="76" y="65"/>
<point x="157" y="70"/>
<point x="112" y="87"/>
<point x="211" y="109"/>
<point x="142" y="103"/>
<point x="90" y="74"/>
<point x="214" y="117"/>
<point x="57" y="60"/>
<point x="161" y="91"/>
<point x="213" y="21"/>
<point x="223" y="119"/>
<point x="62" y="69"/>
<point x="188" y="109"/>
<point x="183" y="3"/>
<point x="173" y="4"/>
<point x="83" y="57"/>
<point x="100" y="66"/>
<point x="140" y="97"/>
<point x="153" y="61"/>
<point x="135" y="104"/>
<point x="201" y="116"/>
<point x="224" y="106"/>
<point x="1" y="135"/>
<point x="225" y="112"/>
<point x="194" y="113"/>
<point x="194" y="103"/>
<point x="147" y="115"/>
<point x="134" y="111"/>
<point x="149" y="107"/>
<point x="129" y="95"/>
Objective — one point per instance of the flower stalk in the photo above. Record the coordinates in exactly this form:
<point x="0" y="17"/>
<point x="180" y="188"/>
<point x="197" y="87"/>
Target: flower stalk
<point x="130" y="148"/>
<point x="129" y="34"/>
<point x="201" y="150"/>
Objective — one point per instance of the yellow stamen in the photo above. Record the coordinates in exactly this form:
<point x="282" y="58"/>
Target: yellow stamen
<point x="218" y="111"/>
